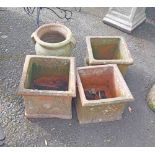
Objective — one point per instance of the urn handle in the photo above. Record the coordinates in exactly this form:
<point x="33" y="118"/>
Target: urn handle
<point x="73" y="42"/>
<point x="32" y="37"/>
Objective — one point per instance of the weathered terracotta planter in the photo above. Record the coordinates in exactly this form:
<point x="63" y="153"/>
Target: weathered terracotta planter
<point x="102" y="94"/>
<point x="108" y="50"/>
<point x="53" y="40"/>
<point x="48" y="85"/>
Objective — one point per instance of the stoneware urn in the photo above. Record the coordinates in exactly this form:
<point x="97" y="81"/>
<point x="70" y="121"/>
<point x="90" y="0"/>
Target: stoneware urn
<point x="102" y="94"/>
<point x="53" y="40"/>
<point x="102" y="50"/>
<point x="48" y="85"/>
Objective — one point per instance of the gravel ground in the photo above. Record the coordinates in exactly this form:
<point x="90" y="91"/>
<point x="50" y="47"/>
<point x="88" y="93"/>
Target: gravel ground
<point x="137" y="128"/>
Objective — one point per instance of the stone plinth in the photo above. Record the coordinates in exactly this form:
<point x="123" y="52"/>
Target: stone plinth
<point x="125" y="18"/>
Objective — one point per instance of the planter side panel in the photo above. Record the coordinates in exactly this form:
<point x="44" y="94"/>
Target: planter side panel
<point x="48" y="107"/>
<point x="101" y="113"/>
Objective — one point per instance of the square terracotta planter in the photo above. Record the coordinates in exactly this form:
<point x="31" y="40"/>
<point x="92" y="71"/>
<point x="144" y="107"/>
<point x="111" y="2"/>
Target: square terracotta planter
<point x="102" y="94"/>
<point x="48" y="85"/>
<point x="108" y="50"/>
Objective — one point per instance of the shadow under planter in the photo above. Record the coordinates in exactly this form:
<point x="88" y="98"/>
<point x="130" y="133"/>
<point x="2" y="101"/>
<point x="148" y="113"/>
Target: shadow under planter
<point x="102" y="94"/>
<point x="48" y="85"/>
<point x="108" y="50"/>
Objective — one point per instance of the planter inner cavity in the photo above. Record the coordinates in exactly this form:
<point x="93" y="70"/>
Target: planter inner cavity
<point x="98" y="83"/>
<point x="53" y="37"/>
<point x="48" y="75"/>
<point x="53" y="34"/>
<point x="105" y="48"/>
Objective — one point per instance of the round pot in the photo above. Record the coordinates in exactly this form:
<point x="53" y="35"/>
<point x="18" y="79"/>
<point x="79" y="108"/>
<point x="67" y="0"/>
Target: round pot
<point x="53" y="40"/>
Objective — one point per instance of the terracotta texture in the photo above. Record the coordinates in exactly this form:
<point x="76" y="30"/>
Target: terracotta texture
<point x="43" y="86"/>
<point x="107" y="106"/>
<point x="151" y="98"/>
<point x="53" y="40"/>
<point x="108" y="50"/>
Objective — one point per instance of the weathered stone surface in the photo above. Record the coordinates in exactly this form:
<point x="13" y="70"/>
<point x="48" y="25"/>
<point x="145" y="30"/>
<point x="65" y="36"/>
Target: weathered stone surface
<point x="46" y="103"/>
<point x="103" y="50"/>
<point x="126" y="19"/>
<point x="53" y="39"/>
<point x="151" y="98"/>
<point x="101" y="78"/>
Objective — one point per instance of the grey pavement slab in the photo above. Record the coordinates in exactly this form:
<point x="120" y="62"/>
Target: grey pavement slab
<point x="2" y="136"/>
<point x="137" y="128"/>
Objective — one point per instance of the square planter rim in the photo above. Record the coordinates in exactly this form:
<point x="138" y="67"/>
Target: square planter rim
<point x="32" y="92"/>
<point x="85" y="102"/>
<point x="126" y="60"/>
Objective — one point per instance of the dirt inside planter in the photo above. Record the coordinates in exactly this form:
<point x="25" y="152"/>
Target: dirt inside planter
<point x="51" y="83"/>
<point x="48" y="74"/>
<point x="52" y="37"/>
<point x="105" y="48"/>
<point x="94" y="94"/>
<point x="99" y="85"/>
